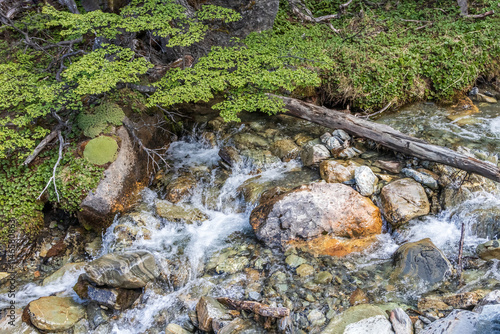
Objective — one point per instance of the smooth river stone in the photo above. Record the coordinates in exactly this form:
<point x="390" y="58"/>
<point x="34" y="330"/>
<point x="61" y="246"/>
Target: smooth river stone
<point x="55" y="314"/>
<point x="129" y="270"/>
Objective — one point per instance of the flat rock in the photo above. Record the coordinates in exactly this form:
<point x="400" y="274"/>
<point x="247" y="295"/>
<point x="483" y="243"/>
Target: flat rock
<point x="374" y="325"/>
<point x="457" y="322"/>
<point x="55" y="314"/>
<point x="114" y="298"/>
<point x="129" y="270"/>
<point x="319" y="211"/>
<point x="175" y="329"/>
<point x="421" y="261"/>
<point x="403" y="200"/>
<point x="179" y="213"/>
<point x="352" y="315"/>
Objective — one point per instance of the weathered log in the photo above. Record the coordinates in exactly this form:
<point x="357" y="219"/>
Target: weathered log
<point x="388" y="137"/>
<point x="255" y="307"/>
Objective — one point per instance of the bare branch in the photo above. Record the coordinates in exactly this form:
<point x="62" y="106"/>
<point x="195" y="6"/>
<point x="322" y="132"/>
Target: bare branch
<point x="40" y="147"/>
<point x="378" y="112"/>
<point x="480" y="16"/>
<point x="53" y="177"/>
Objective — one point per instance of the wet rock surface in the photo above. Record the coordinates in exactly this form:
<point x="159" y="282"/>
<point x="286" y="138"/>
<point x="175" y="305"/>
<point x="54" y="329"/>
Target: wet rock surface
<point x="421" y="261"/>
<point x="314" y="211"/>
<point x="55" y="313"/>
<point x="128" y="270"/>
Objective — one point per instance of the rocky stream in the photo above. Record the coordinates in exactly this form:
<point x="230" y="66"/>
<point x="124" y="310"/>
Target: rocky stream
<point x="276" y="225"/>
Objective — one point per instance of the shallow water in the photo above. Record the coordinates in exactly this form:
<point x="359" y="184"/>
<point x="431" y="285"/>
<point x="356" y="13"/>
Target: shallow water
<point x="227" y="231"/>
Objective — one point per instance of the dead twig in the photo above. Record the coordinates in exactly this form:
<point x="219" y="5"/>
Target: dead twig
<point x="153" y="154"/>
<point x="376" y="113"/>
<point x="39" y="148"/>
<point x="255" y="307"/>
<point x="480" y="16"/>
<point x="53" y="177"/>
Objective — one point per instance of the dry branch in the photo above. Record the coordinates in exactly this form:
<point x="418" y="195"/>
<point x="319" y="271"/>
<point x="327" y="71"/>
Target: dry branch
<point x="255" y="307"/>
<point x="53" y="177"/>
<point x="39" y="148"/>
<point x="481" y="16"/>
<point x="388" y="137"/>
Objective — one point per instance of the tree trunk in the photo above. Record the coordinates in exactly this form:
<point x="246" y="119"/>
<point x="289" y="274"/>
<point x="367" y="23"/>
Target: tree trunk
<point x="388" y="137"/>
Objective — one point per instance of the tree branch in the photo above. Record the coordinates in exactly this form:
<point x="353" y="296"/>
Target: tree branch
<point x="480" y="16"/>
<point x="39" y="148"/>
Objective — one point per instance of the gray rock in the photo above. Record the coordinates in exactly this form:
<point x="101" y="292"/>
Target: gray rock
<point x="313" y="155"/>
<point x="334" y="145"/>
<point x="403" y="200"/>
<point x="114" y="298"/>
<point x="316" y="318"/>
<point x="489" y="320"/>
<point x="294" y="261"/>
<point x="421" y="178"/>
<point x="457" y="322"/>
<point x="342" y="135"/>
<point x="314" y="210"/>
<point x="232" y="265"/>
<point x="260" y="158"/>
<point x="374" y="325"/>
<point x="366" y="181"/>
<point x="401" y="322"/>
<point x="421" y="261"/>
<point x="96" y="315"/>
<point x="489" y="250"/>
<point x="129" y="270"/>
<point x="493" y="298"/>
<point x="349" y="153"/>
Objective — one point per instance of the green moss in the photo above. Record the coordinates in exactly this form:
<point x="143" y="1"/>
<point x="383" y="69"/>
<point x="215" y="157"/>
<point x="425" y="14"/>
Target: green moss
<point x="101" y="150"/>
<point x="95" y="122"/>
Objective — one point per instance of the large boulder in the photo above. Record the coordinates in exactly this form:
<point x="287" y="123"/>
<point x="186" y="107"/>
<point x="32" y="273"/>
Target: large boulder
<point x="457" y="322"/>
<point x="403" y="200"/>
<point x="129" y="270"/>
<point x="421" y="261"/>
<point x="323" y="215"/>
<point x="123" y="179"/>
<point x="55" y="314"/>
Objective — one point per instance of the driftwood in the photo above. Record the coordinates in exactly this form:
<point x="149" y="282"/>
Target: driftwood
<point x="257" y="308"/>
<point x="388" y="137"/>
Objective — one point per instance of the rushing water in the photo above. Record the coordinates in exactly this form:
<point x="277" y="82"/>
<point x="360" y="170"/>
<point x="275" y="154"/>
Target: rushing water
<point x="226" y="233"/>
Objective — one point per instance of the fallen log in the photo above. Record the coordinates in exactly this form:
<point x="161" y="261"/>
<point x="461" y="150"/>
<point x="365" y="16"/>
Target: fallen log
<point x="388" y="137"/>
<point x="255" y="307"/>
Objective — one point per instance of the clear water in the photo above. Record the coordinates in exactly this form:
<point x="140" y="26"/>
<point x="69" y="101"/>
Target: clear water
<point x="228" y="222"/>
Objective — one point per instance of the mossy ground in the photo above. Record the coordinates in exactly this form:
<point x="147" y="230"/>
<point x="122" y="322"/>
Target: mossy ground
<point x="401" y="51"/>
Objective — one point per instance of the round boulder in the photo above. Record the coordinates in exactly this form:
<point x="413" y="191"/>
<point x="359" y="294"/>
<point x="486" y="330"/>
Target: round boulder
<point x="421" y="261"/>
<point x="403" y="200"/>
<point x="319" y="214"/>
<point x="55" y="314"/>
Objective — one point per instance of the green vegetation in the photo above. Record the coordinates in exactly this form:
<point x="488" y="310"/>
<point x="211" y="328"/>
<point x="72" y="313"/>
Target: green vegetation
<point x="96" y="122"/>
<point x="55" y="67"/>
<point x="101" y="150"/>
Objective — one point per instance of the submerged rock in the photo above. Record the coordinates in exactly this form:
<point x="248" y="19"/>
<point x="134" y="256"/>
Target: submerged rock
<point x="319" y="212"/>
<point x="180" y="188"/>
<point x="463" y="300"/>
<point x="230" y="155"/>
<point x="285" y="149"/>
<point x="374" y="325"/>
<point x="55" y="314"/>
<point x="403" y="200"/>
<point x="241" y="326"/>
<point x="129" y="270"/>
<point x="68" y="268"/>
<point x="421" y="261"/>
<point x="179" y="213"/>
<point x="175" y="329"/>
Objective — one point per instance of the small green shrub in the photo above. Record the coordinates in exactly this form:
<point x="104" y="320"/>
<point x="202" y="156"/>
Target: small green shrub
<point x="101" y="150"/>
<point x="94" y="123"/>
